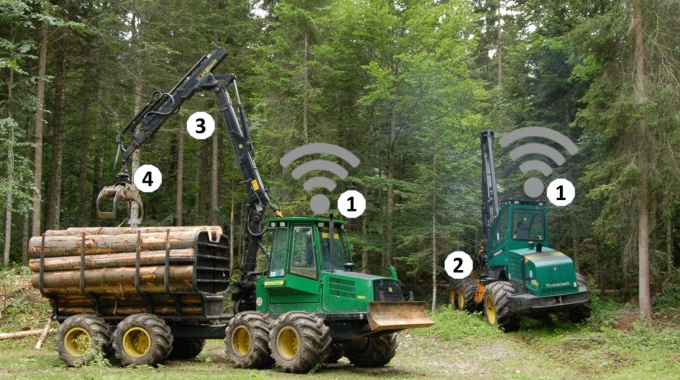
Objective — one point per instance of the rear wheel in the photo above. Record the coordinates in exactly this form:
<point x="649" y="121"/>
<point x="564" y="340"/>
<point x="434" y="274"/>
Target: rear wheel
<point x="186" y="348"/>
<point x="81" y="338"/>
<point x="372" y="351"/>
<point x="247" y="340"/>
<point x="466" y="295"/>
<point x="142" y="339"/>
<point x="497" y="306"/>
<point x="299" y="342"/>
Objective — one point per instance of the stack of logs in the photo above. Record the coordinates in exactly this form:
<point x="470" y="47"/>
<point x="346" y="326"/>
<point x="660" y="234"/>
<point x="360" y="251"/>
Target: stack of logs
<point x="122" y="271"/>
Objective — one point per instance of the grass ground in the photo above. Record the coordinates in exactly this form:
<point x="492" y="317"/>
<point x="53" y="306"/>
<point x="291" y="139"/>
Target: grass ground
<point x="612" y="345"/>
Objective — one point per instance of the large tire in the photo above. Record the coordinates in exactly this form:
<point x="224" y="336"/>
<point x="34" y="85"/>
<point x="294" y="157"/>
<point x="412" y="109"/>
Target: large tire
<point x="497" y="306"/>
<point x="581" y="312"/>
<point x="247" y="340"/>
<point x="465" y="295"/>
<point x="186" y="348"/>
<point x="142" y="339"/>
<point x="82" y="338"/>
<point x="299" y="342"/>
<point x="372" y="351"/>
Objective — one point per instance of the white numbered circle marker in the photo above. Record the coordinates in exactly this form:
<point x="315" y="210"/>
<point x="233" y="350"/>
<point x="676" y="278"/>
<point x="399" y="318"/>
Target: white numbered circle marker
<point x="561" y="192"/>
<point x="201" y="125"/>
<point x="351" y="204"/>
<point x="147" y="178"/>
<point x="458" y="265"/>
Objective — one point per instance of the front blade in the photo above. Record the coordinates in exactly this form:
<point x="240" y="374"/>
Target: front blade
<point x="397" y="315"/>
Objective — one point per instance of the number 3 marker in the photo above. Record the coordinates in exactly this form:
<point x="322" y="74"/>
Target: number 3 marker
<point x="200" y="125"/>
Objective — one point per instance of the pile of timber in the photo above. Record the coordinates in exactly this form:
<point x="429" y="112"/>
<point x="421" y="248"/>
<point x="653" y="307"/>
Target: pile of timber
<point x="116" y="271"/>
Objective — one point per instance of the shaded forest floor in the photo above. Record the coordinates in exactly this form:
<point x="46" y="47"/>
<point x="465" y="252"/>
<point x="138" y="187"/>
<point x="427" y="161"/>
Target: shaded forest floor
<point x="612" y="345"/>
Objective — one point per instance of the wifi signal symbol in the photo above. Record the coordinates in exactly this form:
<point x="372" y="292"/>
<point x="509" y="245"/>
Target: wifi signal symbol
<point x="533" y="187"/>
<point x="319" y="202"/>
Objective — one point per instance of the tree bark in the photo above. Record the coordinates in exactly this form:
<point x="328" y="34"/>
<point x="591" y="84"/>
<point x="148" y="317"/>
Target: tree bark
<point x="669" y="247"/>
<point x="10" y="176"/>
<point x="39" y="121"/>
<point x="364" y="252"/>
<point x="138" y="39"/>
<point x="643" y="211"/>
<point x="57" y="146"/>
<point x="434" y="235"/>
<point x="83" y="196"/>
<point x="179" y="194"/>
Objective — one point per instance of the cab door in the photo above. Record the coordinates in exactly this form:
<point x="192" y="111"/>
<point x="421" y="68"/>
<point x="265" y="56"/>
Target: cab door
<point x="297" y="287"/>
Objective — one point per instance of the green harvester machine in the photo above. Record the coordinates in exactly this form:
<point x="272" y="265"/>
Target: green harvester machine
<point x="521" y="274"/>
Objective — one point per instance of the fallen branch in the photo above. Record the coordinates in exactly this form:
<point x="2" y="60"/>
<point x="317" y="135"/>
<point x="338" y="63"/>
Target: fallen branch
<point x="43" y="335"/>
<point x="20" y="334"/>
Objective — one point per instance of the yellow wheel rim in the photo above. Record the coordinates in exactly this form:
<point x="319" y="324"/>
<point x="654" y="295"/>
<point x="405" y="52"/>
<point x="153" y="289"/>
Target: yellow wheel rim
<point x="288" y="343"/>
<point x="77" y="341"/>
<point x="452" y="297"/>
<point x="461" y="299"/>
<point x="240" y="341"/>
<point x="490" y="310"/>
<point x="137" y="342"/>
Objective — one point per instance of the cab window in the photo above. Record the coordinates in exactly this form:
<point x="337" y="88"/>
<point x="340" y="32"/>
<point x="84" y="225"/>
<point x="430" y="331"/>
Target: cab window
<point x="500" y="227"/>
<point x="302" y="259"/>
<point x="528" y="225"/>
<point x="277" y="263"/>
<point x="339" y="255"/>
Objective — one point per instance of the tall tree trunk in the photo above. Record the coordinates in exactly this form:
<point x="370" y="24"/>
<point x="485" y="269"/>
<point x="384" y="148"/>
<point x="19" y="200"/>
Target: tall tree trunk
<point x="179" y="194"/>
<point x="499" y="53"/>
<point x="387" y="258"/>
<point x="10" y="175"/>
<point x="202" y="200"/>
<point x="305" y="91"/>
<point x="90" y="81"/>
<point x="434" y="235"/>
<point x="56" y="160"/>
<point x="643" y="212"/>
<point x="138" y="39"/>
<point x="669" y="246"/>
<point x="39" y="121"/>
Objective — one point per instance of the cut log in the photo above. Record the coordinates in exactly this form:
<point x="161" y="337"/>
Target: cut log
<point x="164" y="310"/>
<point x="43" y="335"/>
<point x="78" y="231"/>
<point x="112" y="277"/>
<point x="20" y="334"/>
<point x="112" y="260"/>
<point x="58" y="246"/>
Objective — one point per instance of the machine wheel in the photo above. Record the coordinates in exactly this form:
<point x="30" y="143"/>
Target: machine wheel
<point x="247" y="338"/>
<point x="372" y="351"/>
<point x="80" y="338"/>
<point x="337" y="352"/>
<point x="142" y="339"/>
<point x="496" y="306"/>
<point x="453" y="294"/>
<point x="581" y="312"/>
<point x="186" y="348"/>
<point x="299" y="342"/>
<point x="466" y="295"/>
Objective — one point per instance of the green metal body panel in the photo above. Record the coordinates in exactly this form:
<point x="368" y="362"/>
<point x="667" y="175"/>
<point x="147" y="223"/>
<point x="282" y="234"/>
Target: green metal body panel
<point x="304" y="281"/>
<point x="519" y="245"/>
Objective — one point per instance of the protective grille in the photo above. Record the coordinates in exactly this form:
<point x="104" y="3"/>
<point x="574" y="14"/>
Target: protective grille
<point x="387" y="290"/>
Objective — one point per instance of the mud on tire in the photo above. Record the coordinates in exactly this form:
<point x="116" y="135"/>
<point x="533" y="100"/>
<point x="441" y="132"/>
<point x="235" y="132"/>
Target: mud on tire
<point x="372" y="351"/>
<point x="247" y="340"/>
<point x="81" y="338"/>
<point x="142" y="339"/>
<point x="299" y="342"/>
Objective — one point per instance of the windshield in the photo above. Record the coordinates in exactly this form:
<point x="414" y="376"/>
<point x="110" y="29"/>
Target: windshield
<point x="528" y="225"/>
<point x="339" y="255"/>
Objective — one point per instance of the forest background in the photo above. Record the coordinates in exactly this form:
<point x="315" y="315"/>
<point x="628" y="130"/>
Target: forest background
<point x="406" y="85"/>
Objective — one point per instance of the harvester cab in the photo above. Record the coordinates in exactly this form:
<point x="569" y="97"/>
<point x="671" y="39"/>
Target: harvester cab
<point x="521" y="274"/>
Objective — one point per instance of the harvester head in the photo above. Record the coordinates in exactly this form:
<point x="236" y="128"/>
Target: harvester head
<point x="122" y="191"/>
